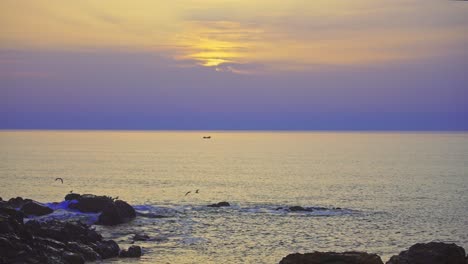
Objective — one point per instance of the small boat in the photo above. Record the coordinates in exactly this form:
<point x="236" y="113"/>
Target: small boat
<point x="206" y="137"/>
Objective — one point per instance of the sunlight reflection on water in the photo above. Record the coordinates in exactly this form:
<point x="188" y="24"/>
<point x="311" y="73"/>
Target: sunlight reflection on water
<point x="393" y="190"/>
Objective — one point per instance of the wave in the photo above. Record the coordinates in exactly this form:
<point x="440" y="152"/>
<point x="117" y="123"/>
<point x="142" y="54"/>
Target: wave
<point x="152" y="211"/>
<point x="63" y="212"/>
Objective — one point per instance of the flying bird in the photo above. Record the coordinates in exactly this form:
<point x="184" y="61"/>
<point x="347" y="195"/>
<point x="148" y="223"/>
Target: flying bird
<point x="188" y="193"/>
<point x="59" y="179"/>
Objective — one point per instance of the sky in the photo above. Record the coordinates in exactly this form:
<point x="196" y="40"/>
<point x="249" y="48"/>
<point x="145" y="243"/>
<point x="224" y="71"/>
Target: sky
<point x="234" y="64"/>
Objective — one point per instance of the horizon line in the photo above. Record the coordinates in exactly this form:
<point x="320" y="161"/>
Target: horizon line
<point x="240" y="130"/>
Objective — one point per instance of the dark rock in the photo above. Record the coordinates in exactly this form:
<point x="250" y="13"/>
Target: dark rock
<point x="332" y="258"/>
<point x="296" y="208"/>
<point x="88" y="253"/>
<point x="110" y="216"/>
<point x="8" y="212"/>
<point x="89" y="203"/>
<point x="17" y="202"/>
<point x="112" y="212"/>
<point x="73" y="258"/>
<point x="51" y="241"/>
<point x="132" y="252"/>
<point x="64" y="231"/>
<point x="141" y="237"/>
<point x="107" y="249"/>
<point x="299" y="209"/>
<point x="72" y="196"/>
<point x="430" y="253"/>
<point x="35" y="208"/>
<point x="127" y="211"/>
<point x="220" y="204"/>
<point x="116" y="213"/>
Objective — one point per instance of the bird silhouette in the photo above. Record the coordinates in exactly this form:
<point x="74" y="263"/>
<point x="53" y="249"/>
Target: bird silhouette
<point x="59" y="179"/>
<point x="188" y="193"/>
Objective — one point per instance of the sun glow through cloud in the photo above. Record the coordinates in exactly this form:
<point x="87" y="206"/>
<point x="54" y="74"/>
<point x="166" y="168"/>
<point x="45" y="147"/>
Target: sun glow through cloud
<point x="253" y="35"/>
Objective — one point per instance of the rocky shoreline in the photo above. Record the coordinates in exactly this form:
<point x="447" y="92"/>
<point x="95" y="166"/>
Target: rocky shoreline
<point x="56" y="241"/>
<point x="26" y="240"/>
<point x="421" y="253"/>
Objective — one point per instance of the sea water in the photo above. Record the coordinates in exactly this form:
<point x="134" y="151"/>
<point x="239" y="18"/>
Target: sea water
<point x="374" y="192"/>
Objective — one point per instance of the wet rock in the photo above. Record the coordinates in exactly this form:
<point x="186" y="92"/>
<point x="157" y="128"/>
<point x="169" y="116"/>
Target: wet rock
<point x="430" y="253"/>
<point x="132" y="252"/>
<point x="73" y="258"/>
<point x="17" y="202"/>
<point x="112" y="212"/>
<point x="141" y="237"/>
<point x="297" y="208"/>
<point x="7" y="213"/>
<point x="107" y="249"/>
<point x="64" y="231"/>
<point x="90" y="203"/>
<point x="220" y="204"/>
<point x="332" y="258"/>
<point x="88" y="253"/>
<point x="35" y="208"/>
<point x="51" y="241"/>
<point x="126" y="210"/>
<point x="116" y="213"/>
<point x="72" y="196"/>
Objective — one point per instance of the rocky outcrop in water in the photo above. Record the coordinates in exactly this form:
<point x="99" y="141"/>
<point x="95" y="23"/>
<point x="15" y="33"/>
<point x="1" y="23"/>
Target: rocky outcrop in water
<point x="297" y="208"/>
<point x="332" y="258"/>
<point x="422" y="253"/>
<point x="35" y="209"/>
<point x="431" y="253"/>
<point x="132" y="252"/>
<point x="113" y="211"/>
<point x="17" y="202"/>
<point x="141" y="237"/>
<point x="50" y="242"/>
<point x="27" y="206"/>
<point x="220" y="204"/>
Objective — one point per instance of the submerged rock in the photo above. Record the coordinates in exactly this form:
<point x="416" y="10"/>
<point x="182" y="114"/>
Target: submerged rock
<point x="35" y="208"/>
<point x="141" y="237"/>
<point x="297" y="208"/>
<point x="150" y="215"/>
<point x="132" y="252"/>
<point x="332" y="258"/>
<point x="220" y="204"/>
<point x="431" y="253"/>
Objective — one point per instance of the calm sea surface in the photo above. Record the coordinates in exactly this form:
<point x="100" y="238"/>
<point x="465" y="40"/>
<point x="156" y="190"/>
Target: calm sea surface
<point x="381" y="192"/>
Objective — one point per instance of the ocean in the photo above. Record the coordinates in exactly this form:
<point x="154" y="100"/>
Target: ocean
<point x="375" y="192"/>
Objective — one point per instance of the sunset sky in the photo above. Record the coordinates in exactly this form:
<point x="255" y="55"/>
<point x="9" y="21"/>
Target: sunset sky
<point x="234" y="64"/>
